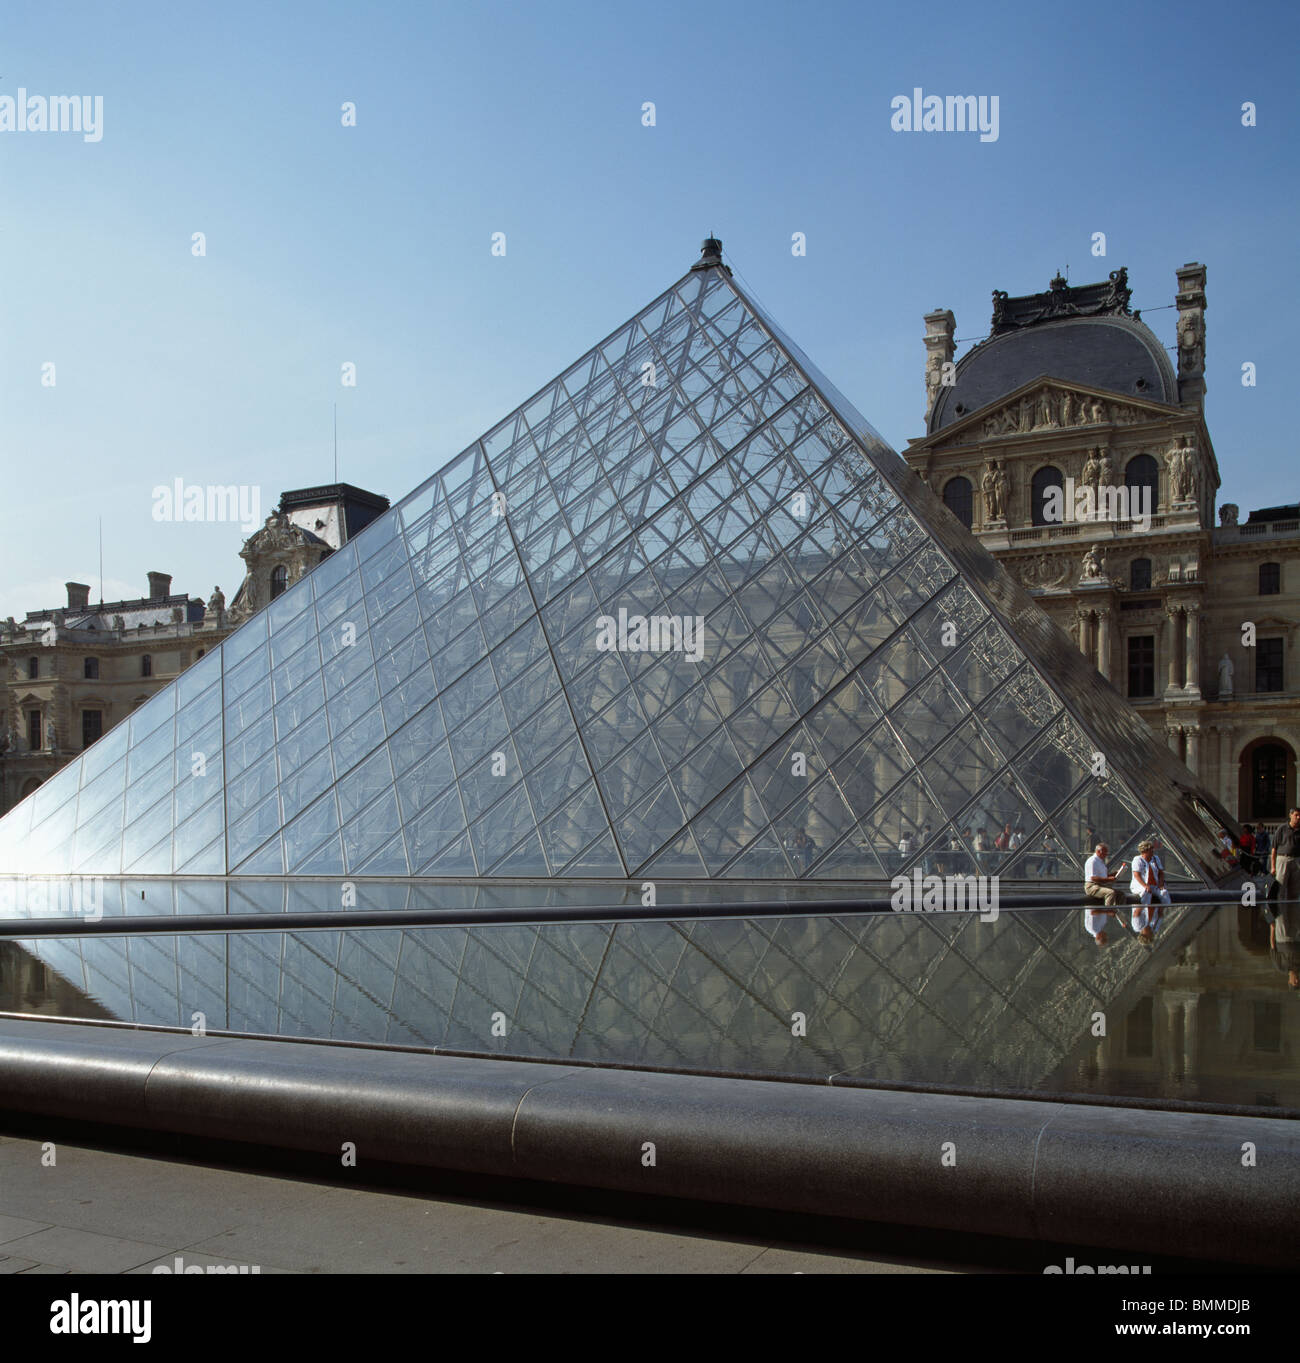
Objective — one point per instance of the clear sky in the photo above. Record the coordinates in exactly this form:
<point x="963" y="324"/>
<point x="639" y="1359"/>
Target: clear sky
<point x="371" y="244"/>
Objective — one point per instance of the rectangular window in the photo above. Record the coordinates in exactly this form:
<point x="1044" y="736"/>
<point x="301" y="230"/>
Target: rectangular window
<point x="92" y="726"/>
<point x="1141" y="665"/>
<point x="1270" y="579"/>
<point x="34" y="730"/>
<point x="1268" y="665"/>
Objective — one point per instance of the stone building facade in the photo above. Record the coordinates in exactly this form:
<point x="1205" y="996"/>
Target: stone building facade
<point x="1079" y="454"/>
<point x="71" y="673"/>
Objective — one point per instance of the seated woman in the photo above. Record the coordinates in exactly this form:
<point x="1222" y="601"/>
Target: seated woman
<point x="1145" y="887"/>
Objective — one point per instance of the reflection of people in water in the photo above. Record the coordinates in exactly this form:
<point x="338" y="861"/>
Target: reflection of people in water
<point x="1284" y="941"/>
<point x="1094" y="922"/>
<point x="1284" y="931"/>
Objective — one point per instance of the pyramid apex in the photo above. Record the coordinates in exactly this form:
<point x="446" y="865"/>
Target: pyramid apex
<point x="710" y="255"/>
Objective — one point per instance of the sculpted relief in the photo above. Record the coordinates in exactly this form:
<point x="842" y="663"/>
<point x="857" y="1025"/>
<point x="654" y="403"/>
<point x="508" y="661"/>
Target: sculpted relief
<point x="1051" y="409"/>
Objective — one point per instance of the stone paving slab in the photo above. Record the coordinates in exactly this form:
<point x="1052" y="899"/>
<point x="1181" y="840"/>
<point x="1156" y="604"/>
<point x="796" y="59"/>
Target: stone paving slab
<point x="124" y="1212"/>
<point x="83" y="1251"/>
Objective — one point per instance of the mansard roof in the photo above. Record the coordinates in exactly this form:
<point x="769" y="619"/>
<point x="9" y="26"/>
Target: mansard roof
<point x="1083" y="334"/>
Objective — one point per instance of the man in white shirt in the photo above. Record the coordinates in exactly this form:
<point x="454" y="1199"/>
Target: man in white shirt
<point x="1099" y="884"/>
<point x="1145" y="886"/>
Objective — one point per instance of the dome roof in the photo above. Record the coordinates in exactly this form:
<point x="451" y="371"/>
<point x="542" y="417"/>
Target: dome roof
<point x="1119" y="354"/>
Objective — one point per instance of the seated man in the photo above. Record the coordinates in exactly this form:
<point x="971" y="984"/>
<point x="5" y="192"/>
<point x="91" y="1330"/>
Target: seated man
<point x="1098" y="883"/>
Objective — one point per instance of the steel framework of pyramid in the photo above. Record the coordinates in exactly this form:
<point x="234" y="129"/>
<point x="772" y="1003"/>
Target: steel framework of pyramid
<point x="500" y="678"/>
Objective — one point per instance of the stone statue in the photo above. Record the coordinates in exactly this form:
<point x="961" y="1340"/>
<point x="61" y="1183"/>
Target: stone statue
<point x="1096" y="412"/>
<point x="16" y="741"/>
<point x="1182" y="476"/>
<point x="994" y="484"/>
<point x="1092" y="564"/>
<point x="1067" y="409"/>
<point x="118" y="623"/>
<point x="217" y="606"/>
<point x="1105" y="470"/>
<point x="1225" y="676"/>
<point x="933" y="380"/>
<point x="1091" y="468"/>
<point x="178" y="615"/>
<point x="1026" y="421"/>
<point x="1043" y="410"/>
<point x="1228" y="514"/>
<point x="51" y="737"/>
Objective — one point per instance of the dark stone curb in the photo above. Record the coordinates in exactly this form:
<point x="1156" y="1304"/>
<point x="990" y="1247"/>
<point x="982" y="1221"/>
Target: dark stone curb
<point x="1160" y="1182"/>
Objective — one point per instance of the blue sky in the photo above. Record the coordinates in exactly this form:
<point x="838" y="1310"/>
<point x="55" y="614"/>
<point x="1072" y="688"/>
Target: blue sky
<point x="371" y="244"/>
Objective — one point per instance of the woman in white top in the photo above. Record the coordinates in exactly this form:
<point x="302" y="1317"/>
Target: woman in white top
<point x="1145" y="885"/>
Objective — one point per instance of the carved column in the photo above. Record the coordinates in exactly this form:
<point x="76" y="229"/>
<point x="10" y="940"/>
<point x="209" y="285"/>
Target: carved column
<point x="1172" y="635"/>
<point x="1173" y="734"/>
<point x="1227" y="776"/>
<point x="1103" y="642"/>
<point x="1081" y="629"/>
<point x="1193" y="748"/>
<point x="1192" y="617"/>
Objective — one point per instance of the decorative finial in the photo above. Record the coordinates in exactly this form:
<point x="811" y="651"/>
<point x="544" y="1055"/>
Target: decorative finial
<point x="710" y="255"/>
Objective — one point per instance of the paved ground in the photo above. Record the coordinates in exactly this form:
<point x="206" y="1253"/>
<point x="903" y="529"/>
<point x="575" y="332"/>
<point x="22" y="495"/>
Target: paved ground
<point x="103" y="1210"/>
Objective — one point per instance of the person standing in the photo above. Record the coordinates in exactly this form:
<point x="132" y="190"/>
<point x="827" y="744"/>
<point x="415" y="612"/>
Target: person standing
<point x="1284" y="858"/>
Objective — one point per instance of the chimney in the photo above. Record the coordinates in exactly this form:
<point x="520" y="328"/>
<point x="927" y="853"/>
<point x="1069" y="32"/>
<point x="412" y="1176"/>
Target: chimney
<point x="1190" y="300"/>
<point x="160" y="586"/>
<point x="940" y="325"/>
<point x="78" y="595"/>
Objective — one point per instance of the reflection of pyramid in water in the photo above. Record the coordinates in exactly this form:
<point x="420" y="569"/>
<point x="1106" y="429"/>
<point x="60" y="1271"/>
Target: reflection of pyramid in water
<point x="432" y="699"/>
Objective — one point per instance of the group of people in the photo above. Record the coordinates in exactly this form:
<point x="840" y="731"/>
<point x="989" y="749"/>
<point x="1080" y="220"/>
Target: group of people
<point x="1146" y="884"/>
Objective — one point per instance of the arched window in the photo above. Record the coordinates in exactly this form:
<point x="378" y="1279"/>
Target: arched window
<point x="279" y="580"/>
<point x="1044" y="479"/>
<point x="1141" y="472"/>
<point x="1270" y="579"/>
<point x="146" y="666"/>
<point x="1139" y="575"/>
<point x="1268" y="783"/>
<point x="958" y="499"/>
<point x="33" y="668"/>
<point x="90" y="669"/>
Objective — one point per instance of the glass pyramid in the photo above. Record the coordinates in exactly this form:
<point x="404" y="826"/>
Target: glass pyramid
<point x="683" y="615"/>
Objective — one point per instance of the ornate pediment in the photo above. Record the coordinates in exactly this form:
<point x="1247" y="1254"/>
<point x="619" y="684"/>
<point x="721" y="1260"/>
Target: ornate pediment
<point x="1048" y="406"/>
